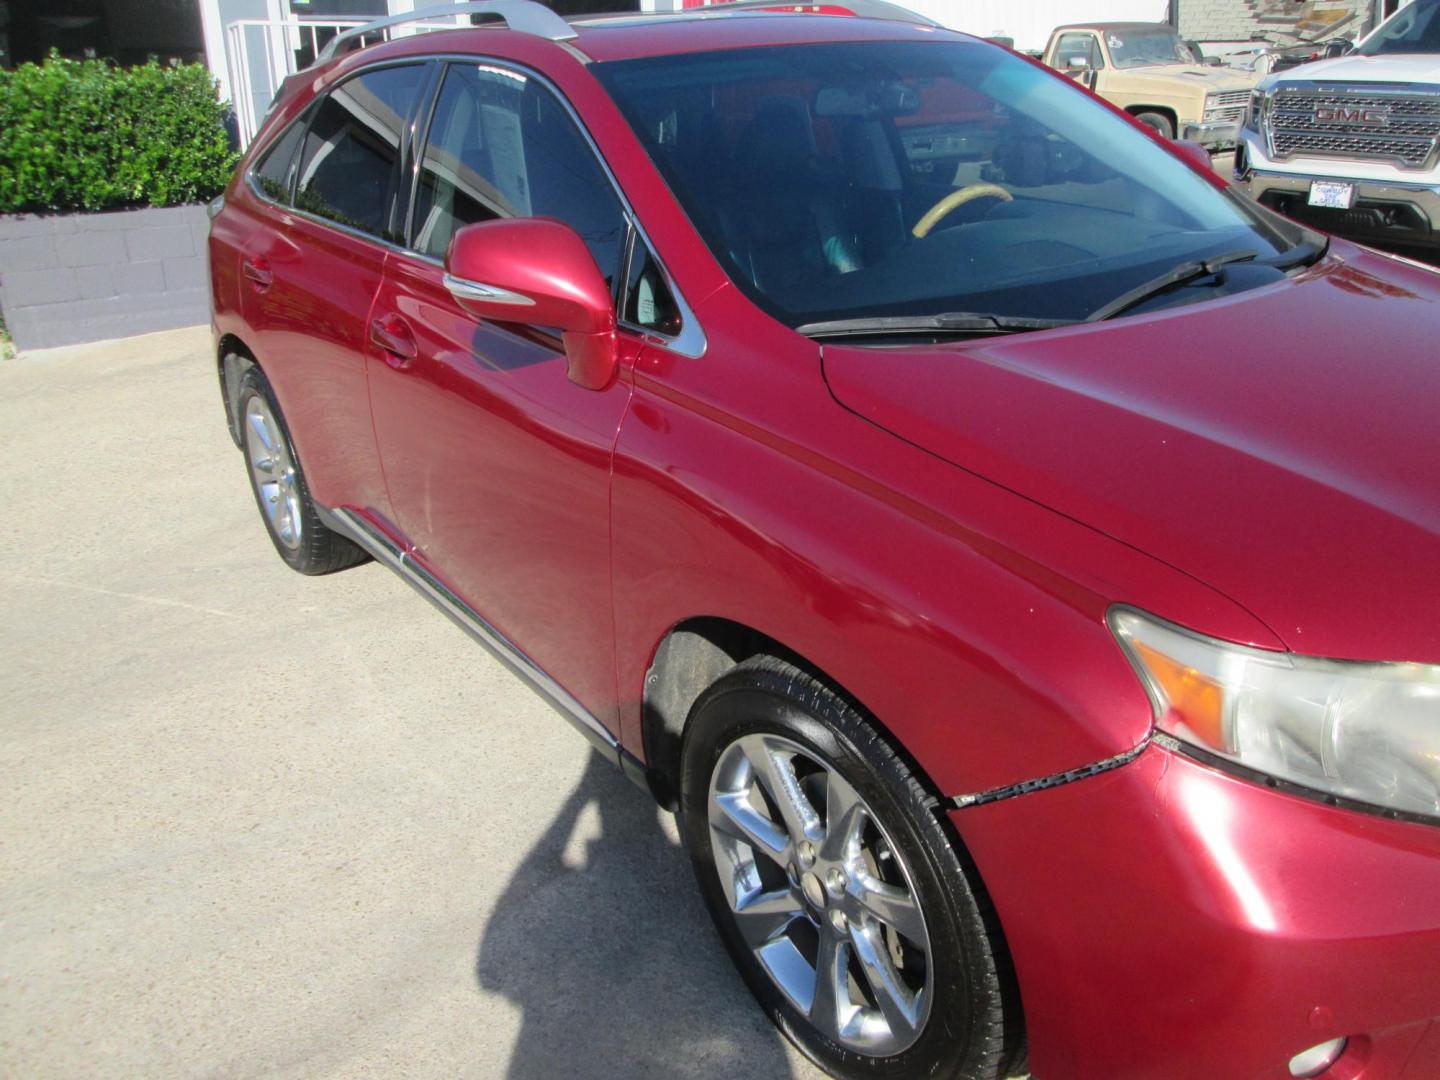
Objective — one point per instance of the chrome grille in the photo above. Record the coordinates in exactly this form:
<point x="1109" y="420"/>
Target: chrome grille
<point x="1228" y="99"/>
<point x="1231" y="105"/>
<point x="1408" y="135"/>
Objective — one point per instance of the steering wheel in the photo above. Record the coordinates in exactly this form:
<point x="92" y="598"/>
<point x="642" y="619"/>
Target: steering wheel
<point x="957" y="198"/>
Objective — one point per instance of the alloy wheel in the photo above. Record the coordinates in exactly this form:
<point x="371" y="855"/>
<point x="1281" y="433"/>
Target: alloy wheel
<point x="819" y="893"/>
<point x="273" y="468"/>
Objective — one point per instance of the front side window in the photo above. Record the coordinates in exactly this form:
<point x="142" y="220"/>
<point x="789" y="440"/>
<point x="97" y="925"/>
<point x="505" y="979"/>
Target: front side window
<point x="1078" y="46"/>
<point x="501" y="145"/>
<point x="874" y="179"/>
<point x="349" y="167"/>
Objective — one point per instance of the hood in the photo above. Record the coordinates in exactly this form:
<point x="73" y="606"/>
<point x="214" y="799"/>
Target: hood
<point x="1394" y="68"/>
<point x="1191" y="75"/>
<point x="1281" y="445"/>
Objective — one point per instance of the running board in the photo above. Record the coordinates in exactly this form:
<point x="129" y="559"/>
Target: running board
<point x="388" y="553"/>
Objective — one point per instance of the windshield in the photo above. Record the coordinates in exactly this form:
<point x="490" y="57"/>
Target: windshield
<point x="847" y="180"/>
<point x="1414" y="29"/>
<point x="1136" y="48"/>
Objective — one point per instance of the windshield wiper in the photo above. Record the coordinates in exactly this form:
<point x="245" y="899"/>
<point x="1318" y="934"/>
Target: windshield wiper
<point x="956" y="322"/>
<point x="1306" y="253"/>
<point x="1187" y="271"/>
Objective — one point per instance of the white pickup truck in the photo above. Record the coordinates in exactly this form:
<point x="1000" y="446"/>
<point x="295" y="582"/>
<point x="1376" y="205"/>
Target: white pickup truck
<point x="1352" y="145"/>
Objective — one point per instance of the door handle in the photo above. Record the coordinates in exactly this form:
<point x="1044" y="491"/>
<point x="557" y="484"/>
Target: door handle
<point x="391" y="335"/>
<point x="258" y="271"/>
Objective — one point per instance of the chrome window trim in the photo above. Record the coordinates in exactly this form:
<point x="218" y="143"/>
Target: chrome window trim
<point x="258" y="152"/>
<point x="691" y="342"/>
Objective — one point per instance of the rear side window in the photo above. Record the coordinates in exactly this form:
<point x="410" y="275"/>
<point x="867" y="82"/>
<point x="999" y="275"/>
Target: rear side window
<point x="277" y="167"/>
<point x="500" y="145"/>
<point x="349" y="167"/>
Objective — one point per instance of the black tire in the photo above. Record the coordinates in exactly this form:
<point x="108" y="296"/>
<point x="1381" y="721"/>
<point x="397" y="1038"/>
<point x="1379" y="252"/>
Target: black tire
<point x="315" y="549"/>
<point x="974" y="1029"/>
<point x="1158" y="122"/>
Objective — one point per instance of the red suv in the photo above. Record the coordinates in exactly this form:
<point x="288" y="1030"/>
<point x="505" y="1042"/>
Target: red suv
<point x="1013" y="553"/>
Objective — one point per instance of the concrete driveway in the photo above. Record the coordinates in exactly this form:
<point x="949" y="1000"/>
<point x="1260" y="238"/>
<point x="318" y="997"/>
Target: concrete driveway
<point x="257" y="824"/>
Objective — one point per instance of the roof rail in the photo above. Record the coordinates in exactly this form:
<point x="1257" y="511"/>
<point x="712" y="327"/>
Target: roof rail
<point x="523" y="16"/>
<point x="865" y="9"/>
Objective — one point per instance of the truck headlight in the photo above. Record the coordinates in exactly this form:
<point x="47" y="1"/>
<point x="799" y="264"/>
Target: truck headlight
<point x="1213" y="110"/>
<point x="1256" y="113"/>
<point x="1363" y="731"/>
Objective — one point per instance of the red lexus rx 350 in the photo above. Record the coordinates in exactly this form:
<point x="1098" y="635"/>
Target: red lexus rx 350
<point x="1013" y="553"/>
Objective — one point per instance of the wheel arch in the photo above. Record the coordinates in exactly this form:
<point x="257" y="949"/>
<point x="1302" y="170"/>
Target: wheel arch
<point x="691" y="656"/>
<point x="1163" y="110"/>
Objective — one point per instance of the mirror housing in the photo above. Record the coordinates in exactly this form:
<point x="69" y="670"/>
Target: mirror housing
<point x="1078" y="63"/>
<point x="1193" y="153"/>
<point x="537" y="271"/>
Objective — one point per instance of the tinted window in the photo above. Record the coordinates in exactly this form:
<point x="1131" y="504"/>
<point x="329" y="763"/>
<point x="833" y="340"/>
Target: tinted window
<point x="502" y="146"/>
<point x="277" y="166"/>
<point x="878" y="179"/>
<point x="648" y="301"/>
<point x="348" y="170"/>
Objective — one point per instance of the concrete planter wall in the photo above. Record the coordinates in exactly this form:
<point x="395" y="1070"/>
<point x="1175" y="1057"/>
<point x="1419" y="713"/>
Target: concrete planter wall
<point x="73" y="278"/>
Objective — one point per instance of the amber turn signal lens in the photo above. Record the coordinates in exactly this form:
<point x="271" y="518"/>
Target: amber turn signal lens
<point x="1196" y="700"/>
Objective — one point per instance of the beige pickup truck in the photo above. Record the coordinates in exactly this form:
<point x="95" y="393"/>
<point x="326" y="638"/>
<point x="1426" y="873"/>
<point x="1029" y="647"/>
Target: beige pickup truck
<point x="1145" y="69"/>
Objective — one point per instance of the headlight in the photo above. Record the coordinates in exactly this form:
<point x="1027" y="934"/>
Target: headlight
<point x="1257" y="110"/>
<point x="1362" y="731"/>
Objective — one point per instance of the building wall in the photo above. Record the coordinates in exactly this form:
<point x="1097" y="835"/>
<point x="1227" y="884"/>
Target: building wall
<point x="1282" y="21"/>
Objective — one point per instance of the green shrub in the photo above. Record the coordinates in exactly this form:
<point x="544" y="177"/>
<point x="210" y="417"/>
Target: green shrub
<point x="84" y="135"/>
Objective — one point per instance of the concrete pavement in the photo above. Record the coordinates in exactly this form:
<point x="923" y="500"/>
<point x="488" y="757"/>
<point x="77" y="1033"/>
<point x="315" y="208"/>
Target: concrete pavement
<point x="257" y="824"/>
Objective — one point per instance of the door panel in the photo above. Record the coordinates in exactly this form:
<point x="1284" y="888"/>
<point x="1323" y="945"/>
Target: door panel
<point x="498" y="465"/>
<point x="499" y="473"/>
<point x="311" y="273"/>
<point x="310" y="338"/>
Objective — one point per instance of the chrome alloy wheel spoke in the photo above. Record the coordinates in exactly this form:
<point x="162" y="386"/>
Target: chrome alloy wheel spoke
<point x="820" y="894"/>
<point x="775" y="771"/>
<point x="273" y="471"/>
<point x="899" y="1005"/>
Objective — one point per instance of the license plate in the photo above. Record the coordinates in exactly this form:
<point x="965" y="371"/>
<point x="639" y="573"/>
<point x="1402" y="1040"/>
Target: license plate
<point x="1331" y="195"/>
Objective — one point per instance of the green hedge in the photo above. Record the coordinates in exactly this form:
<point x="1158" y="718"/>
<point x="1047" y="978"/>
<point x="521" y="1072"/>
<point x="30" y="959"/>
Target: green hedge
<point x="84" y="135"/>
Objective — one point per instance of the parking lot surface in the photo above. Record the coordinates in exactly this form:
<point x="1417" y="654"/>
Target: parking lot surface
<point x="258" y="824"/>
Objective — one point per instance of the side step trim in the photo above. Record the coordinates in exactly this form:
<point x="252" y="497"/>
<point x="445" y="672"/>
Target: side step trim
<point x="387" y="552"/>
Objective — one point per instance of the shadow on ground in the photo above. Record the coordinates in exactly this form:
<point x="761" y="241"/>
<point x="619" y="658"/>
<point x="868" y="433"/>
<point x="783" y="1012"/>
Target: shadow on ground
<point x="602" y="924"/>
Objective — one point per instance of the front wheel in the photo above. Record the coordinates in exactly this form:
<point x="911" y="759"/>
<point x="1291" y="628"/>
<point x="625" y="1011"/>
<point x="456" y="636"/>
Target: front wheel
<point x="1158" y="122"/>
<point x="838" y="893"/>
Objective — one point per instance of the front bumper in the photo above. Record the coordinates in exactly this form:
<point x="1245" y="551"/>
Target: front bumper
<point x="1169" y="920"/>
<point x="1383" y="211"/>
<point x="1215" y="133"/>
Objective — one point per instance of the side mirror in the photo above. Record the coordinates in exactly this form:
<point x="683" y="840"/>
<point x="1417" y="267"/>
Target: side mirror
<point x="1192" y="152"/>
<point x="538" y="271"/>
<point x="1078" y="63"/>
<point x="1338" y="47"/>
